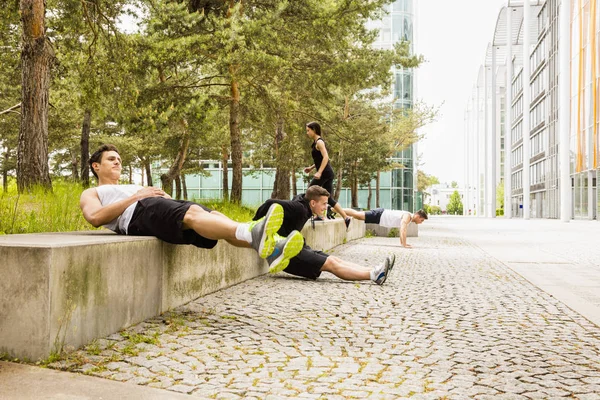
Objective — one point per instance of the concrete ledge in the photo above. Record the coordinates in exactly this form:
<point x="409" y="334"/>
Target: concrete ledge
<point x="412" y="231"/>
<point x="66" y="289"/>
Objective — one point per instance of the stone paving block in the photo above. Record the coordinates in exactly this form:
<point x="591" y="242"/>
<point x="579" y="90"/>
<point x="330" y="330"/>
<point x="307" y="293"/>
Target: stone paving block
<point x="450" y="321"/>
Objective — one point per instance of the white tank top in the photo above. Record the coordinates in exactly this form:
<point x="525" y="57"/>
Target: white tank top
<point x="109" y="194"/>
<point x="392" y="218"/>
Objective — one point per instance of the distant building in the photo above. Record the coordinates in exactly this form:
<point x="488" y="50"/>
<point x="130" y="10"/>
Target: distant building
<point x="439" y="195"/>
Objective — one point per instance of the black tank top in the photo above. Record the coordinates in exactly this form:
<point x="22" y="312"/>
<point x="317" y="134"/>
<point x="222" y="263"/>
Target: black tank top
<point x="318" y="158"/>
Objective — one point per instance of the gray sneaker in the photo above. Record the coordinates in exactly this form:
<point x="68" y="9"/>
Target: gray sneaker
<point x="392" y="259"/>
<point x="285" y="249"/>
<point x="382" y="272"/>
<point x="264" y="230"/>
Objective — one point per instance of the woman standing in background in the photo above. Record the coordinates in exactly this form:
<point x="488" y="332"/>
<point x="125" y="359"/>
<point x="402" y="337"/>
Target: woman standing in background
<point x="324" y="175"/>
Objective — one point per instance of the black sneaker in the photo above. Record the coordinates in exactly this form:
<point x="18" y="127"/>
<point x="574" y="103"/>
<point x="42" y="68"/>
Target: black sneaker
<point x="330" y="213"/>
<point x="347" y="222"/>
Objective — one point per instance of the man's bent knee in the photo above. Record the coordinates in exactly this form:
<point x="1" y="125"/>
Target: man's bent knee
<point x="331" y="263"/>
<point x="192" y="214"/>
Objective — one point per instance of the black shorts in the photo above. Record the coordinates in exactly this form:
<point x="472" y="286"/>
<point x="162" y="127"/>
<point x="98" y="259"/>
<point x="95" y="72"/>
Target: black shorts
<point x="163" y="218"/>
<point x="373" y="216"/>
<point x="307" y="263"/>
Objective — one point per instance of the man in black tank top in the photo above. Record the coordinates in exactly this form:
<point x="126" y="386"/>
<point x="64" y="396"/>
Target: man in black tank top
<point x="309" y="263"/>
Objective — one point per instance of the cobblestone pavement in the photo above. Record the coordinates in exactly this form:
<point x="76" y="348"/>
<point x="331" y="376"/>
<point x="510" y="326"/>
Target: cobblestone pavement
<point x="451" y="322"/>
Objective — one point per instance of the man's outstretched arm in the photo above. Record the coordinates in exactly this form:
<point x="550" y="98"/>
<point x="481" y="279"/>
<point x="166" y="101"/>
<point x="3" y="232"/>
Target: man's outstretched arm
<point x="97" y="214"/>
<point x="404" y="229"/>
<point x="360" y="215"/>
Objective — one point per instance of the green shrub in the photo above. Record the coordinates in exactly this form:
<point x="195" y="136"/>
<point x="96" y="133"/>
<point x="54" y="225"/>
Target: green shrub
<point x="393" y="232"/>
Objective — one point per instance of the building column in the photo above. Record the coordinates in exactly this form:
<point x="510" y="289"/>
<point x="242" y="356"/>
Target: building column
<point x="526" y="106"/>
<point x="493" y="144"/>
<point x="486" y="145"/>
<point x="507" y="117"/>
<point x="480" y="212"/>
<point x="564" y="108"/>
<point x="466" y="158"/>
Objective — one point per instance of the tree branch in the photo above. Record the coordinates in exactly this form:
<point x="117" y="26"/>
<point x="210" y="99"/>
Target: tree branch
<point x="12" y="109"/>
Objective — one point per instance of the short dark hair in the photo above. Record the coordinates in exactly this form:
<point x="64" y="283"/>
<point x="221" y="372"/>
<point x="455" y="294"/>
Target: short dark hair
<point x="97" y="156"/>
<point x="421" y="214"/>
<point x="315" y="127"/>
<point x="316" y="191"/>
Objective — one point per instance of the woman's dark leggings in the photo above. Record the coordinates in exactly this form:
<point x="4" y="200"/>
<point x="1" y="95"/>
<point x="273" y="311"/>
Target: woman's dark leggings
<point x="327" y="184"/>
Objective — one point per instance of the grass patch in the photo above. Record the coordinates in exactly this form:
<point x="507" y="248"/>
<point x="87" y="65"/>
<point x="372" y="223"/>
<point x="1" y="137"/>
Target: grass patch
<point x="234" y="211"/>
<point x="42" y="211"/>
<point x="136" y="338"/>
<point x="393" y="232"/>
<point x="369" y="233"/>
<point x="58" y="210"/>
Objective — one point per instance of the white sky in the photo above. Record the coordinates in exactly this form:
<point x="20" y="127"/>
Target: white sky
<point x="453" y="37"/>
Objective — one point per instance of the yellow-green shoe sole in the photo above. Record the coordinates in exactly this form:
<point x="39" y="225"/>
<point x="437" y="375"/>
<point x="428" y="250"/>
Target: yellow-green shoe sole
<point x="273" y="223"/>
<point x="290" y="250"/>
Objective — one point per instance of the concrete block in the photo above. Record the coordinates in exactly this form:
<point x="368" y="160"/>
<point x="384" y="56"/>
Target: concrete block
<point x="67" y="289"/>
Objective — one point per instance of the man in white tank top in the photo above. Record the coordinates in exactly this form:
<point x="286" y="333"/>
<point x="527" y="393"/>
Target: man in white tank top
<point x="149" y="211"/>
<point x="390" y="219"/>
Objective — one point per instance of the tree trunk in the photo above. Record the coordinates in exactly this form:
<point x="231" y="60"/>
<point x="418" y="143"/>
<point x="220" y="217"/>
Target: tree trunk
<point x="377" y="187"/>
<point x="281" y="187"/>
<point x="236" y="141"/>
<point x="5" y="172"/>
<point x="354" y="192"/>
<point x="338" y="183"/>
<point x="369" y="197"/>
<point x="130" y="169"/>
<point x="184" y="187"/>
<point x="354" y="186"/>
<point x="85" y="147"/>
<point x="74" y="167"/>
<point x="37" y="57"/>
<point x="178" y="187"/>
<point x="225" y="162"/>
<point x="167" y="179"/>
<point x="294" y="184"/>
<point x="148" y="171"/>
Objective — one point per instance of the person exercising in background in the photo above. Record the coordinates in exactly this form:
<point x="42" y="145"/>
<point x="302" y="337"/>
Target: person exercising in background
<point x="324" y="172"/>
<point x="309" y="263"/>
<point x="390" y="219"/>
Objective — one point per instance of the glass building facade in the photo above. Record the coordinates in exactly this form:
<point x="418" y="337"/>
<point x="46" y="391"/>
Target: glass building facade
<point x="399" y="185"/>
<point x="584" y="108"/>
<point x="534" y="146"/>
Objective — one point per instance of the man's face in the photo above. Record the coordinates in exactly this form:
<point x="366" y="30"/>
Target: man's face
<point x="318" y="207"/>
<point x="109" y="165"/>
<point x="418" y="219"/>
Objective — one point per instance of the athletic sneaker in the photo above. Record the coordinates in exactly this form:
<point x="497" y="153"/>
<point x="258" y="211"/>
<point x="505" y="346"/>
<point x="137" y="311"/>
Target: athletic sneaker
<point x="330" y="213"/>
<point x="392" y="259"/>
<point x="285" y="249"/>
<point x="263" y="230"/>
<point x="380" y="274"/>
<point x="347" y="222"/>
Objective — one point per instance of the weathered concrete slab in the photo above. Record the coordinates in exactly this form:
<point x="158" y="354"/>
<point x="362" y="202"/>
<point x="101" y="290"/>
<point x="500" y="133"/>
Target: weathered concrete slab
<point x="24" y="382"/>
<point x="70" y="288"/>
